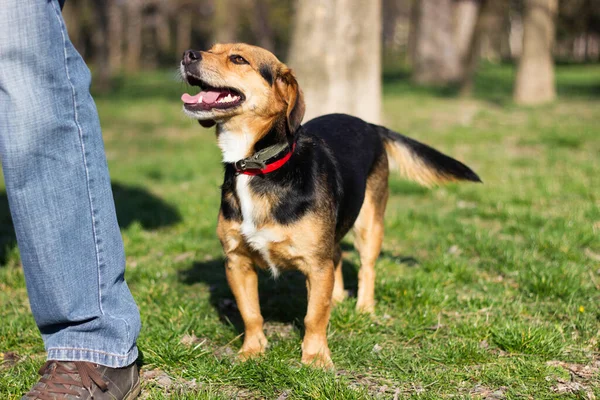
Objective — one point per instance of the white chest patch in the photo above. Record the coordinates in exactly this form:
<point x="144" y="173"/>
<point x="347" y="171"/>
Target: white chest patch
<point x="258" y="239"/>
<point x="235" y="146"/>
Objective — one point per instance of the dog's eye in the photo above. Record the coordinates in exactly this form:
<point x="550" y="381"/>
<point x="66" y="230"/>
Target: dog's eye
<point x="238" y="59"/>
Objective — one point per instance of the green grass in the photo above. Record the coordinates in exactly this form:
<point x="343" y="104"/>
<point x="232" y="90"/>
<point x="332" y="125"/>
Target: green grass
<point x="481" y="289"/>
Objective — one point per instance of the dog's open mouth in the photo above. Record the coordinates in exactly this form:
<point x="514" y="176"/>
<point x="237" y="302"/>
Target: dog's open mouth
<point x="211" y="97"/>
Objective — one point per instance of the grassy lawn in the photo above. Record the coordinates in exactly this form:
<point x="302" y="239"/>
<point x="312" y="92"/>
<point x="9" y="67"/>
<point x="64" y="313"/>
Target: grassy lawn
<point x="483" y="291"/>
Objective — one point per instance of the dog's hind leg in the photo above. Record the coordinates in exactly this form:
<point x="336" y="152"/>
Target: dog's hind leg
<point x="368" y="234"/>
<point x="339" y="294"/>
<point x="319" y="282"/>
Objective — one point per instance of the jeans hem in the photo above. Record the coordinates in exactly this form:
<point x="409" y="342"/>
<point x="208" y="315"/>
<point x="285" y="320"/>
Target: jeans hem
<point x="94" y="356"/>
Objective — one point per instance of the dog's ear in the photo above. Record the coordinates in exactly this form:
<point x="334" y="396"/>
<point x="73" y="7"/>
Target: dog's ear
<point x="207" y="123"/>
<point x="290" y="92"/>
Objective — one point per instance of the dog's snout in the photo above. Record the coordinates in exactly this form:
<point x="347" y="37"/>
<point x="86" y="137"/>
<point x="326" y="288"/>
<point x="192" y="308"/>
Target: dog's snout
<point x="191" y="56"/>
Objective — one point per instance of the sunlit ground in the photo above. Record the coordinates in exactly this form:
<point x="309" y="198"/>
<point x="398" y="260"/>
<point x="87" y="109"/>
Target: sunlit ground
<point x="482" y="290"/>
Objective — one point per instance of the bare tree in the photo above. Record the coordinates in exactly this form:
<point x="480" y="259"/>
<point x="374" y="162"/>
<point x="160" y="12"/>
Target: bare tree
<point x="161" y="25"/>
<point x="72" y="14"/>
<point x="466" y="13"/>
<point x="226" y="21"/>
<point x="101" y="46"/>
<point x="115" y="34"/>
<point x="261" y="25"/>
<point x="489" y="18"/>
<point x="535" y="75"/>
<point x="134" y="34"/>
<point x="184" y="32"/>
<point x="435" y="58"/>
<point x="336" y="55"/>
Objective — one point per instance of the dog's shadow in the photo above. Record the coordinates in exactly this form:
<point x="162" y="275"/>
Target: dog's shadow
<point x="282" y="300"/>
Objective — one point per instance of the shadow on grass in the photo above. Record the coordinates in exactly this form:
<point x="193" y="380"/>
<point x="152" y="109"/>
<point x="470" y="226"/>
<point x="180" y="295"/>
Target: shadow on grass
<point x="8" y="239"/>
<point x="396" y="258"/>
<point x="137" y="205"/>
<point x="281" y="300"/>
<point x="133" y="205"/>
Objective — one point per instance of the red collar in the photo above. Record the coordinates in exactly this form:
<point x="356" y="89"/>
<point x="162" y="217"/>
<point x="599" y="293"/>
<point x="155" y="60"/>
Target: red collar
<point x="275" y="165"/>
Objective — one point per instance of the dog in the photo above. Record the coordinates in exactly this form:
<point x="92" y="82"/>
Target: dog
<point x="291" y="192"/>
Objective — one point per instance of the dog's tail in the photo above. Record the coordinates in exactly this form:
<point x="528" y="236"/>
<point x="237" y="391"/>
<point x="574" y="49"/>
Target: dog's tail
<point x="421" y="163"/>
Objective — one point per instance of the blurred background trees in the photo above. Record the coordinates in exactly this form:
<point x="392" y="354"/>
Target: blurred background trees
<point x="338" y="47"/>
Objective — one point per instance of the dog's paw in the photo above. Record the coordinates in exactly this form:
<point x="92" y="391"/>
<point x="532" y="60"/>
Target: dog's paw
<point x="319" y="360"/>
<point x="339" y="296"/>
<point x="367" y="307"/>
<point x="253" y="347"/>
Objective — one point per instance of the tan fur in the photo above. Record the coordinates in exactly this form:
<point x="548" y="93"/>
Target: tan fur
<point x="257" y="114"/>
<point x="339" y="294"/>
<point x="412" y="167"/>
<point x="306" y="246"/>
<point x="368" y="234"/>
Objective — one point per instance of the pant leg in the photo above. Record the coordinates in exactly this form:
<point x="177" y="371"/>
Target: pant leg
<point x="59" y="191"/>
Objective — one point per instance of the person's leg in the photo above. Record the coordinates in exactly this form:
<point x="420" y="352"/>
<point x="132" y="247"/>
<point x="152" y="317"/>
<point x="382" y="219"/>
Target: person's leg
<point x="59" y="191"/>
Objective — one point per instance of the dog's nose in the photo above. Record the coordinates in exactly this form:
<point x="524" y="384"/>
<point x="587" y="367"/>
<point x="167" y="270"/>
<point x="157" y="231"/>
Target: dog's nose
<point x="191" y="56"/>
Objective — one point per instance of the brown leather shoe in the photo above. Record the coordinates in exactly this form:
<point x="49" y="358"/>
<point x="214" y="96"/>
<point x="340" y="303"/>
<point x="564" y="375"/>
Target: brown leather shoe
<point x="83" y="380"/>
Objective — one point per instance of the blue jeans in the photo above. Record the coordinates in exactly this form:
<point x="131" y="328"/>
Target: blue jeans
<point x="59" y="191"/>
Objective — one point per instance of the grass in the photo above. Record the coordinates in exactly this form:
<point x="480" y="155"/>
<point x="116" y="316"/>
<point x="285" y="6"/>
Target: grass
<point x="482" y="290"/>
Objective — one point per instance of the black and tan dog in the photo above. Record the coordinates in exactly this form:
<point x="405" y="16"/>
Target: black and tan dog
<point x="292" y="192"/>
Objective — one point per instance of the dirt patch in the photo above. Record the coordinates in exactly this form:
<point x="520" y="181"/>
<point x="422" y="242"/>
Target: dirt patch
<point x="173" y="387"/>
<point x="581" y="371"/>
<point x="169" y="385"/>
<point x="8" y="359"/>
<point x="377" y="387"/>
<point x="278" y="330"/>
<point x="485" y="393"/>
<point x="583" y="378"/>
<point x="191" y="340"/>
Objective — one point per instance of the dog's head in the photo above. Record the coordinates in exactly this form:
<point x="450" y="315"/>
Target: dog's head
<point x="239" y="81"/>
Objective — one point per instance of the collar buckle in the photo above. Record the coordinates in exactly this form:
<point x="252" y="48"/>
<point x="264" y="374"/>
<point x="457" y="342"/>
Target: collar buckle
<point x="257" y="163"/>
<point x="249" y="163"/>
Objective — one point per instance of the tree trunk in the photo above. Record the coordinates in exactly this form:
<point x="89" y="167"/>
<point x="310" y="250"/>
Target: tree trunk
<point x="100" y="41"/>
<point x="161" y="25"/>
<point x="115" y="35"/>
<point x="435" y="55"/>
<point x="336" y="55"/>
<point x="391" y="13"/>
<point x="134" y="35"/>
<point x="226" y="21"/>
<point x="72" y="12"/>
<point x="535" y="75"/>
<point x="261" y="26"/>
<point x="490" y="15"/>
<point x="184" y="31"/>
<point x="466" y="15"/>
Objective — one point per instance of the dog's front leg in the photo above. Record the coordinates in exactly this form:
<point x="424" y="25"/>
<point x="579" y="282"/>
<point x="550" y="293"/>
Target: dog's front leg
<point x="243" y="281"/>
<point x="319" y="283"/>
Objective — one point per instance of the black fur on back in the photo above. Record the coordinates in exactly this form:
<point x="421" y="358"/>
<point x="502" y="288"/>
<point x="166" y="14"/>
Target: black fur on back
<point x="334" y="156"/>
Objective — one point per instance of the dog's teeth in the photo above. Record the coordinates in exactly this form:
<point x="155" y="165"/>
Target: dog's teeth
<point x="228" y="99"/>
<point x="199" y="100"/>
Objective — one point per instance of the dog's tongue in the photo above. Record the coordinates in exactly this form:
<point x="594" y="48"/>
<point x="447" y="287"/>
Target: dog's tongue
<point x="209" y="96"/>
